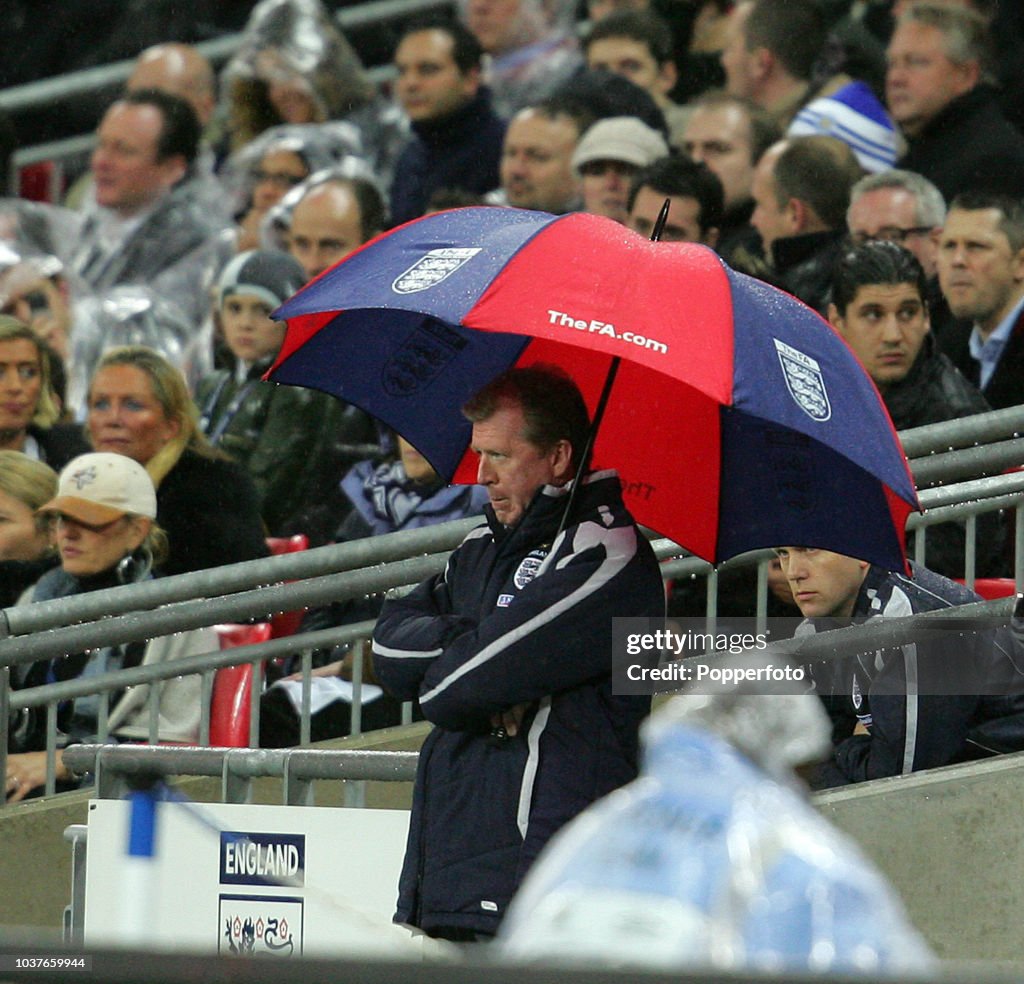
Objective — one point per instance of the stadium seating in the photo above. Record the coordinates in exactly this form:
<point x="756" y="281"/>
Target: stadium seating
<point x="286" y="623"/>
<point x="231" y="703"/>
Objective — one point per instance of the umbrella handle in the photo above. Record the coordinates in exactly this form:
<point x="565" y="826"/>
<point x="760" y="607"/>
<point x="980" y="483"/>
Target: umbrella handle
<point x="613" y="369"/>
<point x="588" y="448"/>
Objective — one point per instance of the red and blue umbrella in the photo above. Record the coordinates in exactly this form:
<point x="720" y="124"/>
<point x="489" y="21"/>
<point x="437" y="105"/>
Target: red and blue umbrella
<point x="738" y="420"/>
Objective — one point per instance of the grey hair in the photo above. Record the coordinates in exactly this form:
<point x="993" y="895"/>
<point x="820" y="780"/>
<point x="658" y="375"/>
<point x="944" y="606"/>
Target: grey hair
<point x="965" y="33"/>
<point x="929" y="205"/>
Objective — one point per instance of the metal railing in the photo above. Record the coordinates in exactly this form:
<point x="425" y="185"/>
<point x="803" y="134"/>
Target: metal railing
<point x="353" y="570"/>
<point x="55" y="90"/>
<point x="116" y="766"/>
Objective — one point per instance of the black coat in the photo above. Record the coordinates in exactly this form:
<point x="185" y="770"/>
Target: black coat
<point x="59" y="444"/>
<point x="1006" y="386"/>
<point x="803" y="266"/>
<point x="969" y="146"/>
<point x="519" y="616"/>
<point x="461" y="151"/>
<point x="210" y="511"/>
<point x="935" y="390"/>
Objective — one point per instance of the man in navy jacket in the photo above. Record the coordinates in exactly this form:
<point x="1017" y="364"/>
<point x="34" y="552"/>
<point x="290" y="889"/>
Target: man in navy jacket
<point x="456" y="136"/>
<point x="509" y="654"/>
<point x="951" y="697"/>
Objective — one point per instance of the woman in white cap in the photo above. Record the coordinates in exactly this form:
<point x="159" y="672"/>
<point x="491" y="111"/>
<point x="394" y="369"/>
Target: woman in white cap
<point x="103" y="521"/>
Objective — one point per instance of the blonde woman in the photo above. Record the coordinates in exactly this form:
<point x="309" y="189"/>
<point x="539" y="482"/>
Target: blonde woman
<point x="29" y="407"/>
<point x="104" y="529"/>
<point x="138" y="405"/>
<point x="25" y="551"/>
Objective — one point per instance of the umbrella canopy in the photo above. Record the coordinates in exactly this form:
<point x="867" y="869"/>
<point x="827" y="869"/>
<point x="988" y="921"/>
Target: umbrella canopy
<point x="739" y="419"/>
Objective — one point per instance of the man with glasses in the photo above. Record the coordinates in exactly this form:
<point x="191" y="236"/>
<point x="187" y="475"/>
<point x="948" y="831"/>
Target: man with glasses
<point x="939" y="91"/>
<point x="905" y="208"/>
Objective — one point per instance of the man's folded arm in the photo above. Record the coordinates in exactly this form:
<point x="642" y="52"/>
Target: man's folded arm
<point x="554" y="636"/>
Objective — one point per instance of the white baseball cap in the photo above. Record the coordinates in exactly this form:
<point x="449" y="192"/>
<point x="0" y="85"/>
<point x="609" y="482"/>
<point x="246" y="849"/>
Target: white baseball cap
<point x="99" y="487"/>
<point x="620" y="138"/>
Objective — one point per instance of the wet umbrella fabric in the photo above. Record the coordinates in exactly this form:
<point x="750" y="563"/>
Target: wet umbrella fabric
<point x="738" y="420"/>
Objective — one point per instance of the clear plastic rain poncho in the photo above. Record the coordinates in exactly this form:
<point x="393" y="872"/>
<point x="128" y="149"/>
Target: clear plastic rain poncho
<point x="295" y="66"/>
<point x="714" y="858"/>
<point x="319" y="145"/>
<point x="130" y="315"/>
<point x="274" y="231"/>
<point x="39" y="229"/>
<point x="530" y="54"/>
<point x="32" y="289"/>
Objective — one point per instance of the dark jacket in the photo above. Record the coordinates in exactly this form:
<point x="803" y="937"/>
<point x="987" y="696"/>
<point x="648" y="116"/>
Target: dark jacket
<point x="345" y="437"/>
<point x="935" y="390"/>
<point x="737" y="234"/>
<point x="461" y="151"/>
<point x="1006" y="384"/>
<point x="967" y="691"/>
<point x="17" y="575"/>
<point x="932" y="391"/>
<point x="803" y="266"/>
<point x="59" y="444"/>
<point x="969" y="146"/>
<point x="518" y="617"/>
<point x="272" y="431"/>
<point x="950" y="332"/>
<point x="209" y="509"/>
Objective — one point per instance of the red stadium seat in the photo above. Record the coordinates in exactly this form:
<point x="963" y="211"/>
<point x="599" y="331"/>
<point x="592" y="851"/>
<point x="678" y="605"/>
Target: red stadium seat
<point x="286" y="623"/>
<point x="991" y="588"/>
<point x="41" y="182"/>
<point x="994" y="587"/>
<point x="231" y="704"/>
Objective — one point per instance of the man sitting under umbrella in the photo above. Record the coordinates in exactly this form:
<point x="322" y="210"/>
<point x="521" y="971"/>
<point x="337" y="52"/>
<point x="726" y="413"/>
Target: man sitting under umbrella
<point x="949" y="698"/>
<point x="509" y="654"/>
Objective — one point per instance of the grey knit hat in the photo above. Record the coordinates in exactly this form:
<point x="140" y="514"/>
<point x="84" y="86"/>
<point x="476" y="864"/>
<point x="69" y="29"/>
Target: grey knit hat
<point x="270" y="275"/>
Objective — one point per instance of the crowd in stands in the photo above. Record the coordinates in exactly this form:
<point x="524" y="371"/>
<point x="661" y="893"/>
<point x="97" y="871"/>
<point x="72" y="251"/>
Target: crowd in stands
<point x="867" y="157"/>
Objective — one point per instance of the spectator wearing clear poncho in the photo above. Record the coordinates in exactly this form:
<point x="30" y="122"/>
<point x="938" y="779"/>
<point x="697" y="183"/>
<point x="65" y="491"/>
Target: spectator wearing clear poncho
<point x="262" y="172"/>
<point x="129" y="315"/>
<point x="713" y="857"/>
<point x="295" y="66"/>
<point x="532" y="48"/>
<point x="148" y="224"/>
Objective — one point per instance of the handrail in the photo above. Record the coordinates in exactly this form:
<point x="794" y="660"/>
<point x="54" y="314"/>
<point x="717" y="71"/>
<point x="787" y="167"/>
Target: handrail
<point x="966" y="462"/>
<point x="61" y="87"/>
<point x="188" y="665"/>
<point x="963" y="432"/>
<point x="130" y="613"/>
<point x="300" y="763"/>
<point x="218" y="50"/>
<point x="217" y="581"/>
